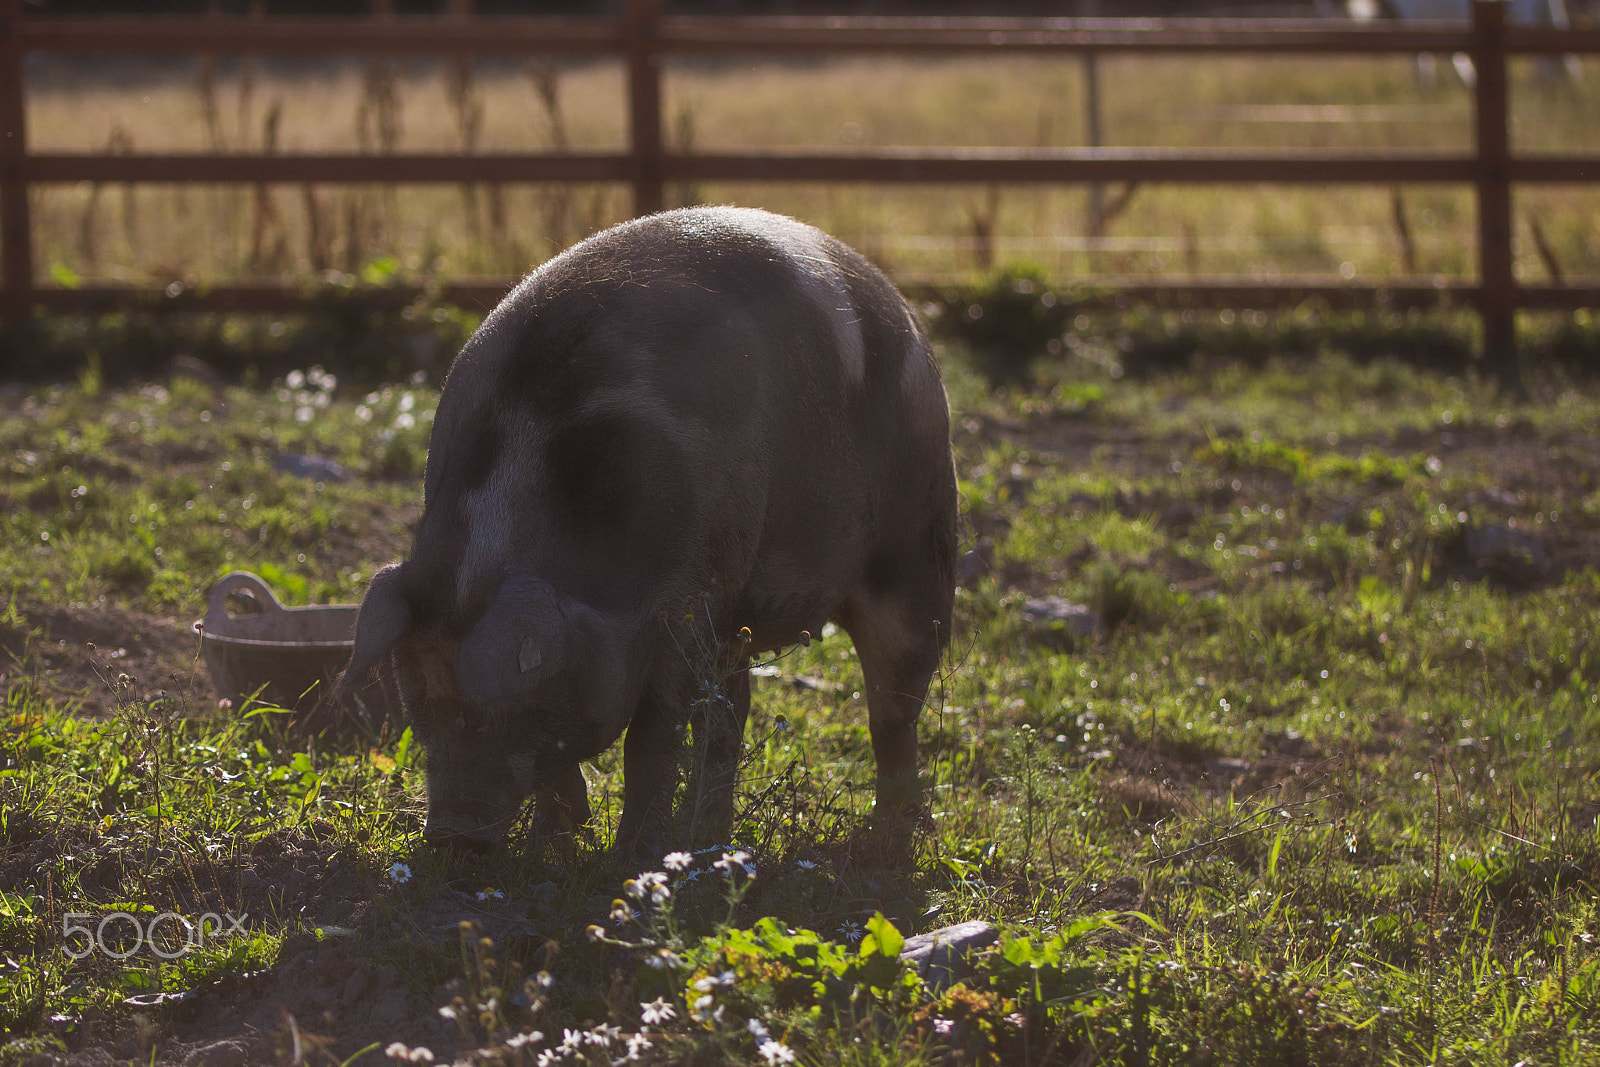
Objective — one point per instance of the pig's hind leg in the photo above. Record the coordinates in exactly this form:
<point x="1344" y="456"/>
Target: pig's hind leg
<point x="900" y="623"/>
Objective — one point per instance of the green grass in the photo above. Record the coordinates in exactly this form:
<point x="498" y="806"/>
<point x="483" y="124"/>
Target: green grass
<point x="79" y="495"/>
<point x="1323" y="790"/>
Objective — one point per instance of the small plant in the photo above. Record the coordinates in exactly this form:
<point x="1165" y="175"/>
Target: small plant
<point x="1008" y="322"/>
<point x="763" y="988"/>
<point x="1122" y="595"/>
<point x="719" y="668"/>
<point x="496" y="1010"/>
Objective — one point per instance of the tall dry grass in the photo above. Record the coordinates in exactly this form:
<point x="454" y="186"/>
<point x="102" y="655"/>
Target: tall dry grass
<point x="734" y="104"/>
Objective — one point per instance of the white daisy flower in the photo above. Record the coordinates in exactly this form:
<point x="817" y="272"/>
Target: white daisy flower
<point x="776" y="1052"/>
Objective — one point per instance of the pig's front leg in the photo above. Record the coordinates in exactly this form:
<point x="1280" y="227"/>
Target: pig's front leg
<point x="562" y="807"/>
<point x="650" y="777"/>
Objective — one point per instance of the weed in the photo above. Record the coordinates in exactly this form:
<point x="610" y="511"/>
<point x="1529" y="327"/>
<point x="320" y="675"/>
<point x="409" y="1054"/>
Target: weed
<point x="1008" y="322"/>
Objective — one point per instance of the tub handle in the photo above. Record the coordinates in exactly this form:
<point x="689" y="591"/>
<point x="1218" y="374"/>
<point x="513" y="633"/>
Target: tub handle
<point x="245" y="584"/>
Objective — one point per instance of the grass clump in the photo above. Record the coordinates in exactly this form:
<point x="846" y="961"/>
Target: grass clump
<point x="368" y="335"/>
<point x="1008" y="322"/>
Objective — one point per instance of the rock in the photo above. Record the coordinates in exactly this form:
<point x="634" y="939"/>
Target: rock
<point x="804" y="682"/>
<point x="91" y="1057"/>
<point x="1058" y="621"/>
<point x="1512" y="553"/>
<point x="354" y="987"/>
<point x="42" y="1059"/>
<point x="160" y="1000"/>
<point x="1227" y="767"/>
<point x="218" y="1054"/>
<point x="1496" y="497"/>
<point x="943" y="957"/>
<point x="316" y="468"/>
<point x="975" y="564"/>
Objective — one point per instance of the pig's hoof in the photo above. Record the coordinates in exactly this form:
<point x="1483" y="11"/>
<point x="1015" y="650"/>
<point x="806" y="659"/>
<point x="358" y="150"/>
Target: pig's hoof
<point x="556" y="822"/>
<point x="897" y="821"/>
<point x="458" y="842"/>
<point x="902" y="803"/>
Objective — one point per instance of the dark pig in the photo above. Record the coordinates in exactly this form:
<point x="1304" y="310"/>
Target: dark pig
<point x="687" y="440"/>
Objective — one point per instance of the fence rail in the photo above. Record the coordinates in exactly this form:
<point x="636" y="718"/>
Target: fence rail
<point x="643" y="36"/>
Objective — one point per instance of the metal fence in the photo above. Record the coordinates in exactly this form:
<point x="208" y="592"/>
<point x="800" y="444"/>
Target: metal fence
<point x="643" y="35"/>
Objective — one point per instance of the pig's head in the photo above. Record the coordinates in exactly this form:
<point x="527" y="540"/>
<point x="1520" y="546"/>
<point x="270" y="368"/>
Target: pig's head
<point x="505" y="699"/>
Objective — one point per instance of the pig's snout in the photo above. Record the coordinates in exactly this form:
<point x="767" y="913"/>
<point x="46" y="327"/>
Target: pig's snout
<point x="459" y="833"/>
<point x="473" y="819"/>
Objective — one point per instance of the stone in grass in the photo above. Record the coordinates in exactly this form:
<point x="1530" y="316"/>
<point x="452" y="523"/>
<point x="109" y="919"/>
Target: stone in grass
<point x="219" y="1054"/>
<point x="1228" y="767"/>
<point x="1057" y="621"/>
<point x="1503" y="499"/>
<point x="811" y="683"/>
<point x="316" y="468"/>
<point x="975" y="564"/>
<point x="943" y="957"/>
<point x="1511" y="553"/>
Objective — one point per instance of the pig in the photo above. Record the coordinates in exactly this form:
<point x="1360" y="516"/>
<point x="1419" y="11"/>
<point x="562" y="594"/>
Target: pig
<point x="688" y="440"/>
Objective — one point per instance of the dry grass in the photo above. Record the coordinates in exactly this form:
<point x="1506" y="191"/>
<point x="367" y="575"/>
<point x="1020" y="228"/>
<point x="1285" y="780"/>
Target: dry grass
<point x="155" y="233"/>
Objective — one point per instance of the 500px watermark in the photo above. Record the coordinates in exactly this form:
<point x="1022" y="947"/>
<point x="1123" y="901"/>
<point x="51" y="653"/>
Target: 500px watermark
<point x="120" y="934"/>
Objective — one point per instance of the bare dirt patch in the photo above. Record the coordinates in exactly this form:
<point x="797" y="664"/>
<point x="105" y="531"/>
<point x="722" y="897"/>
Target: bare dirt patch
<point x="75" y="655"/>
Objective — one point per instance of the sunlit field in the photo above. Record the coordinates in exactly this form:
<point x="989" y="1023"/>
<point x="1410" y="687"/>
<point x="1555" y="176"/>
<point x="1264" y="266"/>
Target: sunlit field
<point x="1268" y="733"/>
<point x="1318" y="783"/>
<point x="922" y="233"/>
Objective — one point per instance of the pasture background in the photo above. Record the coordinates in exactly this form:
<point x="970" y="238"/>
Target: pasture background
<point x="918" y="233"/>
<point x="1323" y="788"/>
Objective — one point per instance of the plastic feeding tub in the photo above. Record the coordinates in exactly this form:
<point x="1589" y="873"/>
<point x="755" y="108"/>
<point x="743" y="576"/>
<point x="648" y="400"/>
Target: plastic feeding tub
<point x="276" y="656"/>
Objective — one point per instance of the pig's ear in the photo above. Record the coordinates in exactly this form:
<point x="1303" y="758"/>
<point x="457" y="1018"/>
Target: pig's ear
<point x="519" y="641"/>
<point x="383" y="620"/>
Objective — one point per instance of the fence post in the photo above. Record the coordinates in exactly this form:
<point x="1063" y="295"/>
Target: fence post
<point x="1497" y="303"/>
<point x="16" y="245"/>
<point x="644" y="105"/>
<point x="1093" y="126"/>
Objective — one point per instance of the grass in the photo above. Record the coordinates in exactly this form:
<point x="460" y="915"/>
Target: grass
<point x="150" y="233"/>
<point x="79" y="494"/>
<point x="1324" y="788"/>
